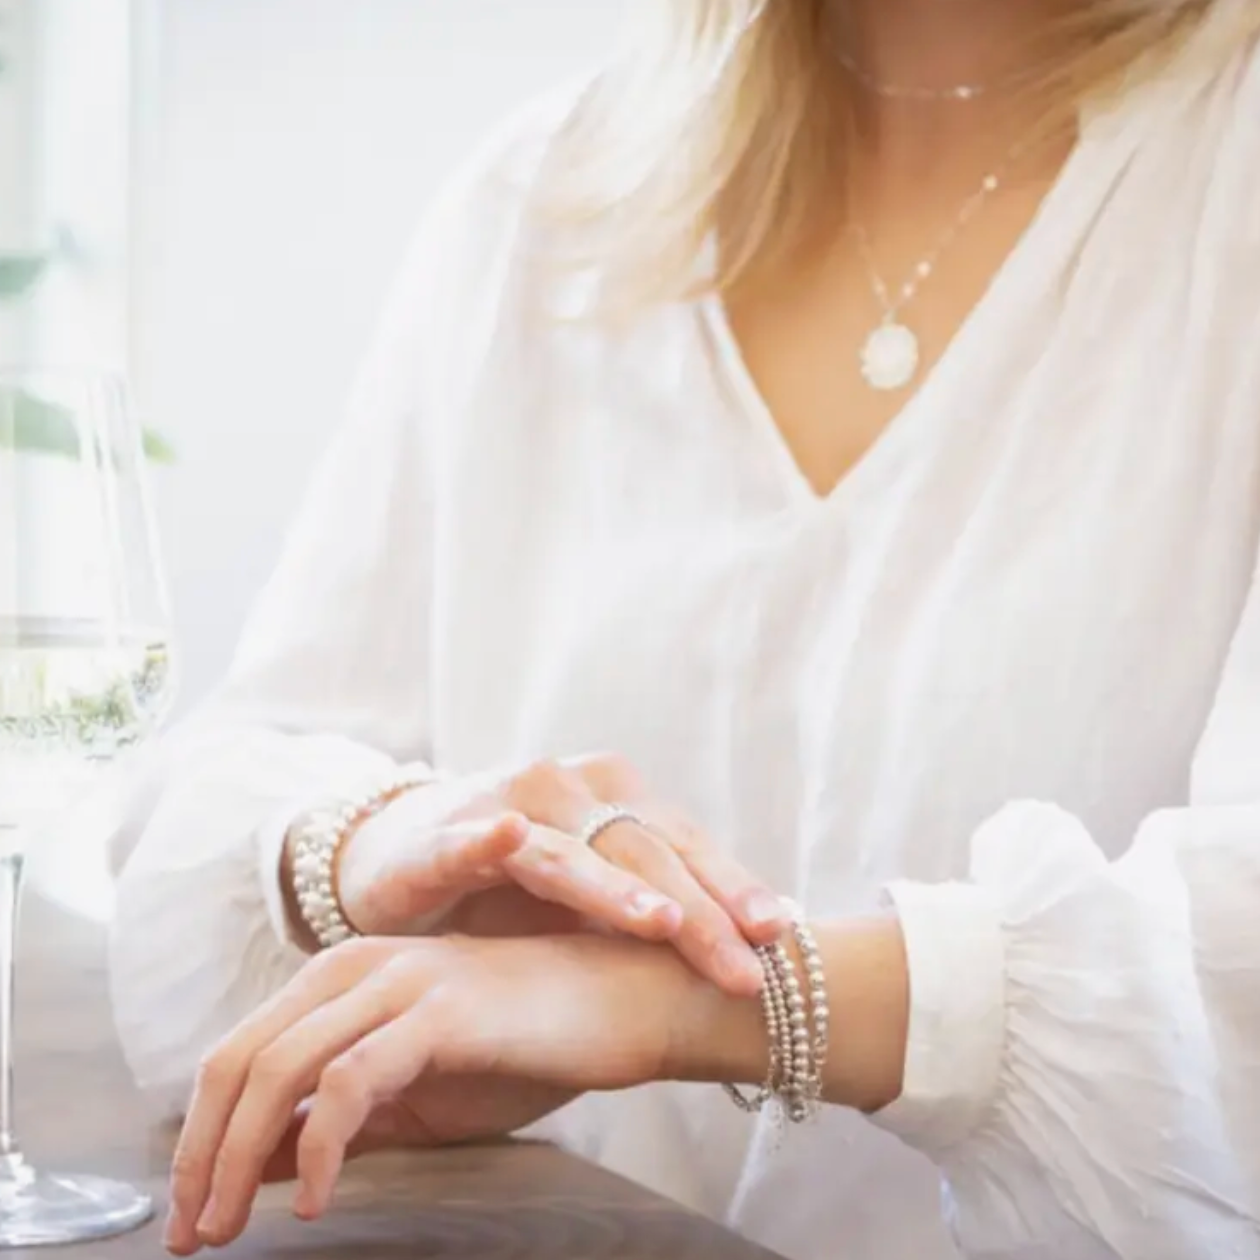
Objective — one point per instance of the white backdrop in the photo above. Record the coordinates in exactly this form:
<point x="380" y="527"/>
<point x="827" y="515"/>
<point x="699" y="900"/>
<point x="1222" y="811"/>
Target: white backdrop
<point x="297" y="144"/>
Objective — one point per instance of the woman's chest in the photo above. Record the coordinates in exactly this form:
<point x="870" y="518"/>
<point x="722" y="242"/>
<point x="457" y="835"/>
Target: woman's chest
<point x="846" y="686"/>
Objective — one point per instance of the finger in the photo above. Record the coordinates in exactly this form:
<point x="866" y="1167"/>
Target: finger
<point x="280" y="1077"/>
<point x="563" y="795"/>
<point x="461" y="858"/>
<point x="709" y="939"/>
<point x="555" y="867"/>
<point x="761" y="915"/>
<point x="390" y="1127"/>
<point x="380" y="1065"/>
<point x="221" y="1079"/>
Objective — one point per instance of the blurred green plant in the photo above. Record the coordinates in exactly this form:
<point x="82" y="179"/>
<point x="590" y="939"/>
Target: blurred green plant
<point x="20" y="272"/>
<point x="31" y="423"/>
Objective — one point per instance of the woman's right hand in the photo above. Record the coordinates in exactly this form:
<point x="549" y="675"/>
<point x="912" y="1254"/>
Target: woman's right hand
<point x="500" y="854"/>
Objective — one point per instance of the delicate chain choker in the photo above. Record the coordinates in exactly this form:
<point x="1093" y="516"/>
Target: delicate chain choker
<point x="907" y="92"/>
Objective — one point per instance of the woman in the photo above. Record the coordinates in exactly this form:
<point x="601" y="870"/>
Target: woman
<point x="848" y="414"/>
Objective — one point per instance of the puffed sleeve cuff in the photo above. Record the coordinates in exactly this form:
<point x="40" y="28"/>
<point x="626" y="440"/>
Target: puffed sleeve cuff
<point x="954" y="944"/>
<point x="1072" y="1064"/>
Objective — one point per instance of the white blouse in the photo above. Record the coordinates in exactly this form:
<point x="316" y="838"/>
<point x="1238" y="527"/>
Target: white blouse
<point x="1008" y="671"/>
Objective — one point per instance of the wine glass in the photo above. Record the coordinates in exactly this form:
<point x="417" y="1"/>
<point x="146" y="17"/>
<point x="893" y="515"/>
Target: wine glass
<point x="85" y="673"/>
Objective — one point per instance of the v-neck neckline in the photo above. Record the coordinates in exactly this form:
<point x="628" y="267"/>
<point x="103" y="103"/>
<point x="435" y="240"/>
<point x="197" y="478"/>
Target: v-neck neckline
<point x="1039" y="248"/>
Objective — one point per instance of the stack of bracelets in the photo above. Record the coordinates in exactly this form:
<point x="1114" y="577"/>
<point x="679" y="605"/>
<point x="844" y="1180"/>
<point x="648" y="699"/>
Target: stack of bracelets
<point x="795" y="1007"/>
<point x="319" y="836"/>
<point x="797" y="1022"/>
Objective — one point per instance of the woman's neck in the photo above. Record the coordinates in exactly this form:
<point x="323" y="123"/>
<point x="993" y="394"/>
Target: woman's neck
<point x="916" y="48"/>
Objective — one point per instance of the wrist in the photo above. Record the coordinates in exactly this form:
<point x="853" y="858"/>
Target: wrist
<point x="315" y="843"/>
<point x="868" y="988"/>
<point x="715" y="1038"/>
<point x="721" y="1039"/>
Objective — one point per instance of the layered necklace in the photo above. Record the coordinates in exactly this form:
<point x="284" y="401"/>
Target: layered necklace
<point x="891" y="354"/>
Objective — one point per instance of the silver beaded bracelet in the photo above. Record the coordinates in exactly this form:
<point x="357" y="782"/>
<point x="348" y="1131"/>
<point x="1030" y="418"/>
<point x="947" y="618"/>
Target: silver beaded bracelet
<point x="798" y="1020"/>
<point x="318" y="837"/>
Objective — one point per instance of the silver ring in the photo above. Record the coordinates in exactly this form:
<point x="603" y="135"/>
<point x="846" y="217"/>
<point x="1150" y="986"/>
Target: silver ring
<point x="604" y="817"/>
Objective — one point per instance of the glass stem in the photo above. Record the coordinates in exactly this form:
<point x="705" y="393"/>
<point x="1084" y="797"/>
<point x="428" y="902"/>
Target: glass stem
<point x="12" y="1165"/>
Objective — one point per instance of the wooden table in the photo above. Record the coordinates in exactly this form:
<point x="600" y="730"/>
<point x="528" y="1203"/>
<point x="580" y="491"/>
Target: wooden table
<point x="78" y="1112"/>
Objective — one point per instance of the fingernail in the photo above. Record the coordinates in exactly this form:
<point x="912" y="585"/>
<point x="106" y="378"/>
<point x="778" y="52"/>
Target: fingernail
<point x="171" y="1232"/>
<point x="208" y="1222"/>
<point x="764" y="908"/>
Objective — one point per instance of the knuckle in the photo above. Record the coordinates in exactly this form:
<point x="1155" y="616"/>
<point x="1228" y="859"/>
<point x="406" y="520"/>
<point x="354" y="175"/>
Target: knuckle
<point x="536" y="785"/>
<point x="399" y="976"/>
<point x="271" y="1070"/>
<point x="411" y="972"/>
<point x="345" y="1080"/>
<point x="218" y="1070"/>
<point x="688" y="839"/>
<point x="544" y="856"/>
<point x="449" y="1012"/>
<point x="610" y="774"/>
<point x="187" y="1170"/>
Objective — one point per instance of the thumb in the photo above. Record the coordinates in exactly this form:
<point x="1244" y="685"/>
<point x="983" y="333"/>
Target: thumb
<point x="457" y="859"/>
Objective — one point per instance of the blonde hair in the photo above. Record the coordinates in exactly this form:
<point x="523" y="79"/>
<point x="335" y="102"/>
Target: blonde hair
<point x="724" y="122"/>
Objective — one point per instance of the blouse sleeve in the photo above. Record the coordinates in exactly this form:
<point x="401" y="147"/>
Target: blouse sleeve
<point x="326" y="693"/>
<point x="1084" y="1055"/>
<point x="329" y="690"/>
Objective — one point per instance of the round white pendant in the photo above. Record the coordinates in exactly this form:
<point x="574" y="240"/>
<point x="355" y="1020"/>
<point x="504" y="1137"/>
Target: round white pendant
<point x="890" y="357"/>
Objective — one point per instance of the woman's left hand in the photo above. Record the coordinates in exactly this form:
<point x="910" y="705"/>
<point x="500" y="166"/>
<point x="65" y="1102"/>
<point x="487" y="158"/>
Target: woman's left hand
<point x="380" y="1021"/>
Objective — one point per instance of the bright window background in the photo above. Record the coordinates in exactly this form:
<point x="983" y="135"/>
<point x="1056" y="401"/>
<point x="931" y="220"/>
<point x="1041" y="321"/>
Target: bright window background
<point x="300" y="141"/>
<point x="66" y="176"/>
<point x="231" y="184"/>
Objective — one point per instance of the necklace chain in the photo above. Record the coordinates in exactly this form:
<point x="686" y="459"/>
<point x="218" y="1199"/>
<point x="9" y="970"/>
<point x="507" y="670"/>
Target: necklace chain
<point x="924" y="268"/>
<point x="890" y="356"/>
<point x="910" y="92"/>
